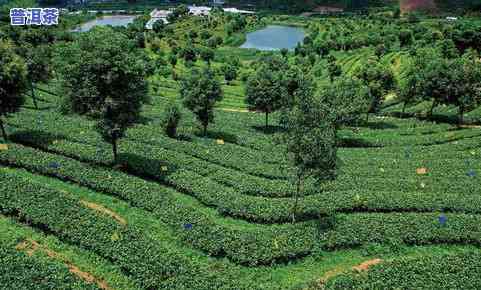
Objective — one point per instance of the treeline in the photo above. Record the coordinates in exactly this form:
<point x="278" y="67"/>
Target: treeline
<point x="306" y="5"/>
<point x="296" y="6"/>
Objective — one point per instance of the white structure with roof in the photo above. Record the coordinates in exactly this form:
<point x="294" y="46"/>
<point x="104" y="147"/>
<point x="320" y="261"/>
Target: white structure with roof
<point x="199" y="10"/>
<point x="235" y="10"/>
<point x="162" y="15"/>
<point x="157" y="15"/>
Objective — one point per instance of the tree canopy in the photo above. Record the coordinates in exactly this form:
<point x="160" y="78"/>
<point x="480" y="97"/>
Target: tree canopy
<point x="13" y="82"/>
<point x="310" y="138"/>
<point x="200" y="91"/>
<point x="104" y="76"/>
<point x="265" y="91"/>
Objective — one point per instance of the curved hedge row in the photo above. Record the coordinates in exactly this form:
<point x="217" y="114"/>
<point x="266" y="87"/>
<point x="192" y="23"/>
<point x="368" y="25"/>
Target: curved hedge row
<point x="150" y="264"/>
<point x="355" y="230"/>
<point x="445" y="271"/>
<point x="376" y="189"/>
<point x="151" y="163"/>
<point x="251" y="185"/>
<point x="228" y="155"/>
<point x="192" y="157"/>
<point x="241" y="242"/>
<point x="247" y="244"/>
<point x="20" y="271"/>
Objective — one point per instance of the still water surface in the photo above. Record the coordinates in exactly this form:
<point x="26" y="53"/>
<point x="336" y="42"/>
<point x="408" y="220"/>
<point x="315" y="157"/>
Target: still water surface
<point x="113" y="20"/>
<point x="274" y="37"/>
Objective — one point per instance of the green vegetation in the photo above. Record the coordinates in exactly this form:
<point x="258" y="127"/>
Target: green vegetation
<point x="12" y="81"/>
<point x="441" y="271"/>
<point x="361" y="149"/>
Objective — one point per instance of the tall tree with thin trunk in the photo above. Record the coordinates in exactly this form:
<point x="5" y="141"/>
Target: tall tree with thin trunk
<point x="378" y="78"/>
<point x="104" y="77"/>
<point x="310" y="139"/>
<point x="38" y="66"/>
<point x="200" y="91"/>
<point x="467" y="96"/>
<point x="265" y="92"/>
<point x="13" y="83"/>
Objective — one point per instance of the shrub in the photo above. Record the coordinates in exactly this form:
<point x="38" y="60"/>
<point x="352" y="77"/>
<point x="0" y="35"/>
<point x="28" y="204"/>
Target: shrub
<point x="151" y="264"/>
<point x="171" y="119"/>
<point x="242" y="243"/>
<point x="435" y="271"/>
<point x="20" y="271"/>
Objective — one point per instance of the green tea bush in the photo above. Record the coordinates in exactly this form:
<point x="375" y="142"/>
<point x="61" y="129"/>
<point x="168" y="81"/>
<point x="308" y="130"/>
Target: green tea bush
<point x="442" y="271"/>
<point x="379" y="191"/>
<point x="356" y="230"/>
<point x="20" y="271"/>
<point x="151" y="264"/>
<point x="241" y="242"/>
<point x="171" y="119"/>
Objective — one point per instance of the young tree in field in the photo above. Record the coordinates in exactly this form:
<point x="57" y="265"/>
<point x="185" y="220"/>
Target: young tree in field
<point x="13" y="83"/>
<point x="207" y="54"/>
<point x="158" y="26"/>
<point x="348" y="97"/>
<point x="291" y="80"/>
<point x="230" y="72"/>
<point x="200" y="92"/>
<point x="432" y="77"/>
<point x="408" y="87"/>
<point x="38" y="67"/>
<point x="405" y="37"/>
<point x="179" y="12"/>
<point x="189" y="53"/>
<point x="378" y="78"/>
<point x="171" y="119"/>
<point x="265" y="92"/>
<point x="333" y="68"/>
<point x="467" y="96"/>
<point x="172" y="60"/>
<point x="310" y="138"/>
<point x="104" y="77"/>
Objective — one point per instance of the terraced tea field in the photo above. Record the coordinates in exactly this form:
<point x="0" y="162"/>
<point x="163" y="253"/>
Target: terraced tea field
<point x="215" y="213"/>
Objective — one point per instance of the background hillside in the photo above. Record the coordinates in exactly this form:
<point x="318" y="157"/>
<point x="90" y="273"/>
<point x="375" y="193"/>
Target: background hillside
<point x="295" y="6"/>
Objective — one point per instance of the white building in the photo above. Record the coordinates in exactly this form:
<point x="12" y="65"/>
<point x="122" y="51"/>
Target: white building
<point x="199" y="10"/>
<point x="162" y="15"/>
<point x="235" y="10"/>
<point x="205" y="11"/>
<point x="157" y="15"/>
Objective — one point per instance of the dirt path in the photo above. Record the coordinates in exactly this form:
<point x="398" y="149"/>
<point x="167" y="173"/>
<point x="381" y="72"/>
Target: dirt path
<point x="31" y="246"/>
<point x="364" y="266"/>
<point x="102" y="209"/>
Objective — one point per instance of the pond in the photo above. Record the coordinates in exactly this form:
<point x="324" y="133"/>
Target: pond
<point x="113" y="20"/>
<point x="274" y="37"/>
